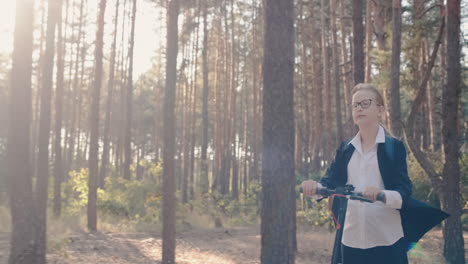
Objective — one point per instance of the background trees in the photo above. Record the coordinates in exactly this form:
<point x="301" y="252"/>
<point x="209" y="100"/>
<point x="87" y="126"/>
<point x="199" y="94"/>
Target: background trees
<point x="219" y="107"/>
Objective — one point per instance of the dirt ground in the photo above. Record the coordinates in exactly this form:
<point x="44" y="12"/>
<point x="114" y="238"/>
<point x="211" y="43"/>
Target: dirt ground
<point x="202" y="246"/>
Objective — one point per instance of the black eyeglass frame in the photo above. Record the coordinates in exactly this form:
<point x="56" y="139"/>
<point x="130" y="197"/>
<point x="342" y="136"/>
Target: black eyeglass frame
<point x="360" y="103"/>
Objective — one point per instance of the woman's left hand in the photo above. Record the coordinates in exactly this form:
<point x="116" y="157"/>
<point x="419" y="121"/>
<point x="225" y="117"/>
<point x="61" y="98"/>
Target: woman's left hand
<point x="371" y="193"/>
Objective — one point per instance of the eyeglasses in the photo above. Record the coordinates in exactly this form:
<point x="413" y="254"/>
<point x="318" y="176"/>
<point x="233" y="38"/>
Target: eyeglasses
<point x="364" y="104"/>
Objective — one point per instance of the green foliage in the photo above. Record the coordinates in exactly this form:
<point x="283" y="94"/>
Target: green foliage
<point x="132" y="200"/>
<point x="422" y="187"/>
<point x="317" y="215"/>
<point x="75" y="192"/>
<point x="245" y="210"/>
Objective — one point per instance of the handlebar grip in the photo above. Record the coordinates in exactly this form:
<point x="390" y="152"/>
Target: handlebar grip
<point x="380" y="196"/>
<point x="318" y="191"/>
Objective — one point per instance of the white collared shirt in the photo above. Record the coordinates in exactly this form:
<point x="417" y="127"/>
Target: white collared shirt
<point x="369" y="225"/>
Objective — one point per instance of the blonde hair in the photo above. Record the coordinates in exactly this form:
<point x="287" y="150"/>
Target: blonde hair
<point x="378" y="98"/>
<point x="369" y="87"/>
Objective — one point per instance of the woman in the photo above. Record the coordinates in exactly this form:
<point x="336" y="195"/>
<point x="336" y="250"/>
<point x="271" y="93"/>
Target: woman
<point x="374" y="232"/>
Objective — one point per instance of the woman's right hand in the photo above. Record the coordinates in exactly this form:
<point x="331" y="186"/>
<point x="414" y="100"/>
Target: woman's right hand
<point x="309" y="188"/>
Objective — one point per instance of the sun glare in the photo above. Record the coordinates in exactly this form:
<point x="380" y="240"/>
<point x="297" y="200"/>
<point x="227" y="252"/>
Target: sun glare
<point x="7" y="22"/>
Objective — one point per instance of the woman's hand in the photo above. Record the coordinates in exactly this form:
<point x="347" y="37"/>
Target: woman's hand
<point x="371" y="193"/>
<point x="309" y="188"/>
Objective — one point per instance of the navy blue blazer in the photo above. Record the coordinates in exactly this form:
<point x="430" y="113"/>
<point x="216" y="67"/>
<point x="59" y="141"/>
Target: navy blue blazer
<point x="417" y="217"/>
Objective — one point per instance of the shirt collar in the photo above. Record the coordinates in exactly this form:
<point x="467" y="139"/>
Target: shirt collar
<point x="356" y="141"/>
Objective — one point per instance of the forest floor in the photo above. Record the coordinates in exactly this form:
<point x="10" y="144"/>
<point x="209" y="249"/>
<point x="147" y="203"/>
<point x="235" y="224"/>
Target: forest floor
<point x="201" y="246"/>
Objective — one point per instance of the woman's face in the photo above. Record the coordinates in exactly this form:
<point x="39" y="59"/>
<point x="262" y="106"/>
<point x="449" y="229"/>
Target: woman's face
<point x="366" y="110"/>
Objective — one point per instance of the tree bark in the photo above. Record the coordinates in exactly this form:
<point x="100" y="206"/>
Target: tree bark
<point x="336" y="74"/>
<point x="368" y="78"/>
<point x="41" y="192"/>
<point x="94" y="121"/>
<point x="129" y="98"/>
<point x="394" y="91"/>
<point x="278" y="206"/>
<point x="169" y="202"/>
<point x="358" y="42"/>
<point x="204" y="183"/>
<point x="19" y="173"/>
<point x="452" y="230"/>
<point x="59" y="97"/>
<point x="110" y="92"/>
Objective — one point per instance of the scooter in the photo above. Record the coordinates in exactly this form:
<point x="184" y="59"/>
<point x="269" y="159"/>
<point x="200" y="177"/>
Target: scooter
<point x="338" y="203"/>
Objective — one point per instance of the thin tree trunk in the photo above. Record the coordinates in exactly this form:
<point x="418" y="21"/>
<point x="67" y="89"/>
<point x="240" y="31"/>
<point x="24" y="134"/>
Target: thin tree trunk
<point x="326" y="82"/>
<point x="129" y="98"/>
<point x="394" y="91"/>
<point x="168" y="210"/>
<point x="358" y="42"/>
<point x="204" y="183"/>
<point x="368" y="41"/>
<point x="18" y="172"/>
<point x="336" y="74"/>
<point x="94" y="121"/>
<point x="347" y="71"/>
<point x="232" y="122"/>
<point x="41" y="192"/>
<point x="59" y="98"/>
<point x="110" y="91"/>
<point x="191" y="192"/>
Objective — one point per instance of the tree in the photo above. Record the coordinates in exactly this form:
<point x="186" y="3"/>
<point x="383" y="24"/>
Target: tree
<point x="447" y="184"/>
<point x="336" y="74"/>
<point x="450" y="196"/>
<point x="23" y="235"/>
<point x="110" y="92"/>
<point x="41" y="192"/>
<point x="129" y="98"/>
<point x="94" y="121"/>
<point x="358" y="42"/>
<point x="204" y="184"/>
<point x="394" y="91"/>
<point x="59" y="97"/>
<point x="169" y="199"/>
<point x="278" y="207"/>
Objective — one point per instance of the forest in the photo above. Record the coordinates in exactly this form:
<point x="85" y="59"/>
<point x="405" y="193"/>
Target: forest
<point x="179" y="131"/>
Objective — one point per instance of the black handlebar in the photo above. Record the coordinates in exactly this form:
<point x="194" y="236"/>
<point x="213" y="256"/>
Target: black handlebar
<point x="348" y="191"/>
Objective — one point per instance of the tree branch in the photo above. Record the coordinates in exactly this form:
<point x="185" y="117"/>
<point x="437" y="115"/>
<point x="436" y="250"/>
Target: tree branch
<point x="420" y="156"/>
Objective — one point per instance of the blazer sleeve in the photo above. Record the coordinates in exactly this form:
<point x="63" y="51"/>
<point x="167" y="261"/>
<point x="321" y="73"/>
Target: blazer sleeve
<point x="331" y="176"/>
<point x="402" y="182"/>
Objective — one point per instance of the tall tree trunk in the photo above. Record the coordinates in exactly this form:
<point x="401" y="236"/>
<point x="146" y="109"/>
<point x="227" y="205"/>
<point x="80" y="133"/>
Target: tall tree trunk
<point x="317" y="109"/>
<point x="76" y="102"/>
<point x="59" y="97"/>
<point x="336" y="74"/>
<point x="394" y="91"/>
<point x="191" y="191"/>
<point x="278" y="208"/>
<point x="169" y="202"/>
<point x="358" y="42"/>
<point x="327" y="137"/>
<point x="19" y="173"/>
<point x="347" y="71"/>
<point x="129" y="99"/>
<point x="41" y="192"/>
<point x="452" y="230"/>
<point x="204" y="184"/>
<point x="255" y="174"/>
<point x="94" y="120"/>
<point x="369" y="24"/>
<point x="232" y="122"/>
<point x="110" y="92"/>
